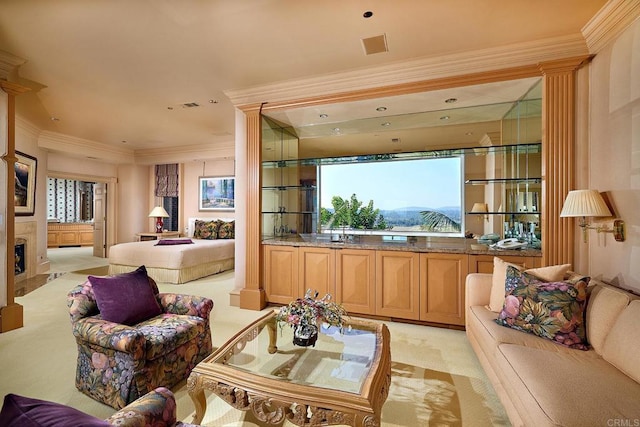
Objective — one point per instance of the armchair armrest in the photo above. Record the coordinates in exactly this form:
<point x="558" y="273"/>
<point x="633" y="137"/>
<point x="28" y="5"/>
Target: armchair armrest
<point x="191" y="305"/>
<point x="478" y="289"/>
<point x="110" y="335"/>
<point x="156" y="408"/>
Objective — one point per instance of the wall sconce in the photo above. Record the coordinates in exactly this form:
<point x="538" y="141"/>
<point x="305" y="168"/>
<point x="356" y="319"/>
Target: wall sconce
<point x="158" y="213"/>
<point x="480" y="208"/>
<point x="584" y="203"/>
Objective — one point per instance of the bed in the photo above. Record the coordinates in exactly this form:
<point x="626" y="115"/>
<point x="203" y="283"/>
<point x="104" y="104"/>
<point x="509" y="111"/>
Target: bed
<point x="176" y="263"/>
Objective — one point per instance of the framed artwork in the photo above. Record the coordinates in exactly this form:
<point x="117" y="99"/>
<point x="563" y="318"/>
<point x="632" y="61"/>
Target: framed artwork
<point x="216" y="193"/>
<point x="25" y="189"/>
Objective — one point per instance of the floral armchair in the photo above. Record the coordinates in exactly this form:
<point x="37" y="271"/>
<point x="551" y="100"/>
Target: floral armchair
<point x="156" y="408"/>
<point x="118" y="363"/>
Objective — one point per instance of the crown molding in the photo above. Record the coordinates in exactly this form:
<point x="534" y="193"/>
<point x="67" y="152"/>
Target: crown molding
<point x="613" y="18"/>
<point x="190" y="153"/>
<point x="26" y="126"/>
<point x="79" y="147"/>
<point x="9" y="64"/>
<point x="509" y="56"/>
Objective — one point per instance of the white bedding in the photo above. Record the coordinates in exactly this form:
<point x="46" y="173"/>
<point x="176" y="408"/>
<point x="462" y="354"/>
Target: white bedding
<point x="173" y="263"/>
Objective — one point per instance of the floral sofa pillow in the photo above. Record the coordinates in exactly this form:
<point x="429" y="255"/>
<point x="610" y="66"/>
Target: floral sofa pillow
<point x="551" y="310"/>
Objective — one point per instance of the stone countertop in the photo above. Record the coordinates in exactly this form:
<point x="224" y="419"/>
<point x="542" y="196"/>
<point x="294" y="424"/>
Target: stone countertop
<point x="451" y="245"/>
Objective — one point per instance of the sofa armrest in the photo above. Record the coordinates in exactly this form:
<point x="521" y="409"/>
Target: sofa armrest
<point x="110" y="335"/>
<point x="186" y="304"/>
<point x="478" y="289"/>
<point x="156" y="408"/>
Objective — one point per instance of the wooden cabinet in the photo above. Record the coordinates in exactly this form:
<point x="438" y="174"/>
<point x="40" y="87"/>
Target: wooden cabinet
<point x="355" y="280"/>
<point x="442" y="279"/>
<point x="281" y="273"/>
<point x="484" y="263"/>
<point x="397" y="284"/>
<point x="316" y="270"/>
<point x="69" y="234"/>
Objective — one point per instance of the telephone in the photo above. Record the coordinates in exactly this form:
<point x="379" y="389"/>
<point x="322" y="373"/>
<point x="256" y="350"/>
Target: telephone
<point x="511" y="243"/>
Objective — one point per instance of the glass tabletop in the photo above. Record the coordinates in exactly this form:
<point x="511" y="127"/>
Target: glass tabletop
<point x="340" y="360"/>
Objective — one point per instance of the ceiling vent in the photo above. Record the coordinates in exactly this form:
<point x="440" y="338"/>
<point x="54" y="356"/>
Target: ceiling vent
<point x="376" y="44"/>
<point x="190" y="104"/>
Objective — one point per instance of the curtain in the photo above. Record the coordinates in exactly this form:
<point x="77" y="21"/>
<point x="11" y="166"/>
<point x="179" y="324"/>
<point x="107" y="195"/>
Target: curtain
<point x="167" y="180"/>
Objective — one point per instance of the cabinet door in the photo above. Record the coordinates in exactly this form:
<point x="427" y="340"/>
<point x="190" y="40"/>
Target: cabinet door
<point x="316" y="270"/>
<point x="281" y="273"/>
<point x="355" y="280"/>
<point x="442" y="278"/>
<point x="484" y="263"/>
<point x="397" y="286"/>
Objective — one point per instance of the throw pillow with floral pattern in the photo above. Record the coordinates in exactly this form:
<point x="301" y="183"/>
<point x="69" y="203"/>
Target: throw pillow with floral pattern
<point x="553" y="310"/>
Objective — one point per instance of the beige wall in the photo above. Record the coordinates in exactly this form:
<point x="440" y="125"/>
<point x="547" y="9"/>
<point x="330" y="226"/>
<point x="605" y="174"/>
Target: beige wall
<point x="194" y="170"/>
<point x="614" y="157"/>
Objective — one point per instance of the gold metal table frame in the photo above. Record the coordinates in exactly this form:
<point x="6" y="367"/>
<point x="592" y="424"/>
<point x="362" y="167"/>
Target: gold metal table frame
<point x="274" y="397"/>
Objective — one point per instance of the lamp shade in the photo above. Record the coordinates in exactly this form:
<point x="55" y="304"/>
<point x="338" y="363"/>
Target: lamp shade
<point x="158" y="212"/>
<point x="480" y="207"/>
<point x="584" y="203"/>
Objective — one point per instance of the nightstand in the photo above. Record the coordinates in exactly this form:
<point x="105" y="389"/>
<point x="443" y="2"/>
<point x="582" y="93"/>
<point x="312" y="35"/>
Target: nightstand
<point x="141" y="237"/>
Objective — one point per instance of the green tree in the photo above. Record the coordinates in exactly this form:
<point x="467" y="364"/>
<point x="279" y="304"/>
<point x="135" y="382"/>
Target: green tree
<point x="350" y="213"/>
<point x="436" y="221"/>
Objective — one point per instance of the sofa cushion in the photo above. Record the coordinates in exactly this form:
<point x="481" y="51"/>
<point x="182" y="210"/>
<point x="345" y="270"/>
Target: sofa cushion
<point x="165" y="333"/>
<point x="496" y="300"/>
<point x="623" y="342"/>
<point x="20" y="411"/>
<point x="126" y="298"/>
<point x="552" y="273"/>
<point x="567" y="388"/>
<point x="551" y="310"/>
<point x="603" y="308"/>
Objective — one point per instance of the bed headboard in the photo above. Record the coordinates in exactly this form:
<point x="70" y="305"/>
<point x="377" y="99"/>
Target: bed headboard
<point x="192" y="221"/>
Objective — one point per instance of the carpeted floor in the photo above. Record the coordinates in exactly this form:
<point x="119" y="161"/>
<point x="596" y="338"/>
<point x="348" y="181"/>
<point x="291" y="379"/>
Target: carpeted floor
<point x="436" y="378"/>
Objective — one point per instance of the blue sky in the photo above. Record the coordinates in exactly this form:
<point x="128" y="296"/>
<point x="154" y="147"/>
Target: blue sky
<point x="430" y="183"/>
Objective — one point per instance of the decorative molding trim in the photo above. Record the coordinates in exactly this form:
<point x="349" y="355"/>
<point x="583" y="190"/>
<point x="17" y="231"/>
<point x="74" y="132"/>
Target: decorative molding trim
<point x="80" y="147"/>
<point x="9" y="64"/>
<point x="510" y="56"/>
<point x="191" y="153"/>
<point x="26" y="126"/>
<point x="614" y="17"/>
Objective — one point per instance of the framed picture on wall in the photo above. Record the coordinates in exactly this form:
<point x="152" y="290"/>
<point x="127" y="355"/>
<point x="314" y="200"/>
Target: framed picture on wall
<point x="216" y="193"/>
<point x="25" y="188"/>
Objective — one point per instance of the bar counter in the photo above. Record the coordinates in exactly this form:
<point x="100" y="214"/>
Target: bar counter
<point x="452" y="245"/>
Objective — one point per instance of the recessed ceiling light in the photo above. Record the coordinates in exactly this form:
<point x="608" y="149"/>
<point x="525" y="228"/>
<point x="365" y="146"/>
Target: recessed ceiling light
<point x="169" y="108"/>
<point x="324" y="116"/>
<point x="386" y="124"/>
<point x="367" y="14"/>
<point x="445" y="118"/>
<point x="336" y="130"/>
<point x="55" y="119"/>
<point x="213" y="101"/>
<point x="469" y="133"/>
<point x="124" y="141"/>
<point x="451" y="100"/>
<point x="381" y="109"/>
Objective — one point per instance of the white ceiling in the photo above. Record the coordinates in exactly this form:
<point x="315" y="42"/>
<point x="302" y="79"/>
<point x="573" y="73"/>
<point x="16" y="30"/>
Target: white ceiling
<point x="117" y="72"/>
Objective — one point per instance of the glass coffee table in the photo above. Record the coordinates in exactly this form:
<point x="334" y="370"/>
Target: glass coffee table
<point x="344" y="379"/>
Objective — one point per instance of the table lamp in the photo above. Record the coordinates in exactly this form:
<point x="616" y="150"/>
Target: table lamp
<point x="480" y="208"/>
<point x="158" y="213"/>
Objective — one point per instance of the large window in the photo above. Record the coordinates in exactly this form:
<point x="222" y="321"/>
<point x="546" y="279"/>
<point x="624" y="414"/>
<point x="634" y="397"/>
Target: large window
<point x="407" y="195"/>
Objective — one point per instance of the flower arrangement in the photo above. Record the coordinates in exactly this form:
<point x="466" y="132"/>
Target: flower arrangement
<point x="309" y="311"/>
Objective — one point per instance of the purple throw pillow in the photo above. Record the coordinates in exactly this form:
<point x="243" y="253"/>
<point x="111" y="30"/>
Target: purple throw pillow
<point x="20" y="411"/>
<point x="164" y="242"/>
<point x="126" y="298"/>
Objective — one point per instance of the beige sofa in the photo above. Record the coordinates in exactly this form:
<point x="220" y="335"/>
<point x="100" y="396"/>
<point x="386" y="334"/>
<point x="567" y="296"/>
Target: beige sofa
<point x="541" y="383"/>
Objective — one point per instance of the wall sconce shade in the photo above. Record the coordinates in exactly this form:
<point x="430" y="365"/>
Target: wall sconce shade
<point x="589" y="203"/>
<point x="480" y="208"/>
<point x="584" y="203"/>
<point x="158" y="213"/>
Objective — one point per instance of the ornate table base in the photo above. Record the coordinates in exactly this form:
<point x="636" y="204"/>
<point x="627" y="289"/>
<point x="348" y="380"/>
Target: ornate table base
<point x="272" y="411"/>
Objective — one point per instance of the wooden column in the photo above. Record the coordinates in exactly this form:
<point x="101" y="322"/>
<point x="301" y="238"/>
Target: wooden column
<point x="11" y="316"/>
<point x="253" y="296"/>
<point x="558" y="157"/>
